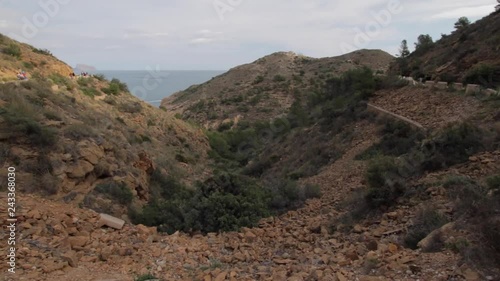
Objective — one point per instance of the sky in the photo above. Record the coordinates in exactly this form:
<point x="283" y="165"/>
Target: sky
<point x="221" y="34"/>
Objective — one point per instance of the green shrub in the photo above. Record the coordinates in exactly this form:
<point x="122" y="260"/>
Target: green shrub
<point x="398" y="138"/>
<point x="110" y="100"/>
<point x="115" y="87"/>
<point x="28" y="65"/>
<point x="146" y="277"/>
<point x="224" y="202"/>
<point x="84" y="82"/>
<point x="427" y="220"/>
<point x="13" y="50"/>
<point x="99" y="77"/>
<point x="45" y="52"/>
<point x="469" y="196"/>
<point x="385" y="183"/>
<point x="21" y="118"/>
<point x="52" y="115"/>
<point x="279" y="78"/>
<point x="259" y="79"/>
<point x="493" y="182"/>
<point x="453" y="145"/>
<point x="118" y="192"/>
<point x="62" y="81"/>
<point x="91" y="92"/>
<point x="312" y="191"/>
<point x="483" y="74"/>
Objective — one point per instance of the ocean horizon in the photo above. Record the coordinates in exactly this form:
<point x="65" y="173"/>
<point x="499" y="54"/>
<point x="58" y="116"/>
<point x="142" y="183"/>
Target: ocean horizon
<point x="153" y="86"/>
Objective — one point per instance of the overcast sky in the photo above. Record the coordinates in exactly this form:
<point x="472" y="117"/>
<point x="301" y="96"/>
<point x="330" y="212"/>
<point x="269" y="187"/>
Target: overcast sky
<point x="220" y="34"/>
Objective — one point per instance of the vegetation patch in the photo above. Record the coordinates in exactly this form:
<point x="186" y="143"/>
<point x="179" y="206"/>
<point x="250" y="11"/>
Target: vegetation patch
<point x="116" y="191"/>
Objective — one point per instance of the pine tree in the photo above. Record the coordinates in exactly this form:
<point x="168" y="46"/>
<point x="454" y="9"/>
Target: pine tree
<point x="403" y="50"/>
<point x="462" y="23"/>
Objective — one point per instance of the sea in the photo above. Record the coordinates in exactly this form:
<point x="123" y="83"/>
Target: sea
<point x="152" y="86"/>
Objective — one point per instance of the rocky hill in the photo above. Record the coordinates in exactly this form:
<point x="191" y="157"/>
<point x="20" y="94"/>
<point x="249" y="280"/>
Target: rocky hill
<point x="88" y="141"/>
<point x="470" y="54"/>
<point x="267" y="87"/>
<point x="16" y="56"/>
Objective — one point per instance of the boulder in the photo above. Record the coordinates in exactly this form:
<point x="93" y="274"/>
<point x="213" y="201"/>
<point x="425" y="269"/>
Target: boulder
<point x="80" y="169"/>
<point x="90" y="152"/>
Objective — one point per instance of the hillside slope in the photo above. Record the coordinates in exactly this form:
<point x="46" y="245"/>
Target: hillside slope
<point x="88" y="141"/>
<point x="267" y="87"/>
<point x="15" y="56"/>
<point x="470" y="54"/>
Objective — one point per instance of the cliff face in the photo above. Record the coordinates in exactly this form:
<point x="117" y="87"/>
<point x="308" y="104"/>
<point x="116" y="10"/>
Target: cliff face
<point x="267" y="87"/>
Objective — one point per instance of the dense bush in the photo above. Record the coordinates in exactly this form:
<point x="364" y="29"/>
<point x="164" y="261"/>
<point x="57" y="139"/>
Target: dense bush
<point x="340" y="102"/>
<point x="115" y="87"/>
<point x="225" y="202"/>
<point x="483" y="74"/>
<point x="398" y="138"/>
<point x="22" y="119"/>
<point x="118" y="192"/>
<point x="452" y="145"/>
<point x="384" y="182"/>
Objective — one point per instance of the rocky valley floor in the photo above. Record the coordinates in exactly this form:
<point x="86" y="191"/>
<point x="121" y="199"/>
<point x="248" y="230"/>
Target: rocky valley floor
<point x="61" y="242"/>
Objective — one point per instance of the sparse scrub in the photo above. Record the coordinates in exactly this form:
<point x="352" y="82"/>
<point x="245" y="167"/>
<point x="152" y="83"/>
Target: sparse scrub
<point x="427" y="220"/>
<point x="259" y="79"/>
<point x="130" y="107"/>
<point x="99" y="77"/>
<point x="110" y="100"/>
<point x="91" y="92"/>
<point x="279" y="78"/>
<point x="52" y="115"/>
<point x="28" y="65"/>
<point x="79" y="132"/>
<point x="312" y="191"/>
<point x="45" y="52"/>
<point x="22" y="117"/>
<point x="13" y="50"/>
<point x="62" y="81"/>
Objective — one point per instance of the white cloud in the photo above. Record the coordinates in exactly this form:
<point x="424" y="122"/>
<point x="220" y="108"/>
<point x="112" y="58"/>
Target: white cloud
<point x="464" y="12"/>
